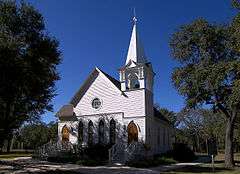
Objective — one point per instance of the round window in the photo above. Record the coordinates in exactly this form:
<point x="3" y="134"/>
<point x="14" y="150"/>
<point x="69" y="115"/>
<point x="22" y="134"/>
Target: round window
<point x="96" y="103"/>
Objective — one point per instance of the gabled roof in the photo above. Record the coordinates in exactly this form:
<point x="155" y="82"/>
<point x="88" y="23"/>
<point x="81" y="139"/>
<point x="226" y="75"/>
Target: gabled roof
<point x="76" y="98"/>
<point x="113" y="80"/>
<point x="160" y="116"/>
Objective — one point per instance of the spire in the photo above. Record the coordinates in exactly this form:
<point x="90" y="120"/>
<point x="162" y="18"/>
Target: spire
<point x="135" y="49"/>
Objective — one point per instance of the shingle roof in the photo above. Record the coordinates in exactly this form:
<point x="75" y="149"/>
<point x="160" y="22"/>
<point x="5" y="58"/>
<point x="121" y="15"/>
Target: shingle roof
<point x="160" y="116"/>
<point x="113" y="80"/>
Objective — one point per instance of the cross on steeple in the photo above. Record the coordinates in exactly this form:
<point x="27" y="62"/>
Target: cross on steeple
<point x="134" y="17"/>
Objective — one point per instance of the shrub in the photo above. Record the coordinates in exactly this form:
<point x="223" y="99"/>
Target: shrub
<point x="94" y="155"/>
<point x="97" y="152"/>
<point x="151" y="162"/>
<point x="164" y="160"/>
<point x="90" y="156"/>
<point x="90" y="162"/>
<point x="141" y="164"/>
<point x="181" y="152"/>
<point x="62" y="157"/>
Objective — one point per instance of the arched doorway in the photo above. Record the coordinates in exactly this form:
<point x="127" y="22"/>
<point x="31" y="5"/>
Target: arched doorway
<point x="132" y="132"/>
<point x="65" y="134"/>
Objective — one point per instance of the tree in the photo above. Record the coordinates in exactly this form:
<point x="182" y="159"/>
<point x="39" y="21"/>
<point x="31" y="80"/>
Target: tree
<point x="28" y="66"/>
<point x="34" y="135"/>
<point x="170" y="115"/>
<point x="52" y="131"/>
<point x="191" y="124"/>
<point x="37" y="134"/>
<point x="209" y="71"/>
<point x="198" y="125"/>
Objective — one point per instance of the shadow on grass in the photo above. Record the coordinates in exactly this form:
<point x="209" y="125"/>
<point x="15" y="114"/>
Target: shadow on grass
<point x="20" y="166"/>
<point x="58" y="172"/>
<point x="198" y="169"/>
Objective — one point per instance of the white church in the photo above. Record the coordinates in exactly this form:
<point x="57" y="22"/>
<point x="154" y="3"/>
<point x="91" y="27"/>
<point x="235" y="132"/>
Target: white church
<point x="109" y="111"/>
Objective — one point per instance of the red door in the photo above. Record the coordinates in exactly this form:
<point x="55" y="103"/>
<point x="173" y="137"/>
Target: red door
<point x="132" y="132"/>
<point x="65" y="134"/>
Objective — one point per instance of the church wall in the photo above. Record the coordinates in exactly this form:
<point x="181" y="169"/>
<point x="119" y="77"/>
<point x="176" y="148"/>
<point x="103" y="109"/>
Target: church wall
<point x="131" y="103"/>
<point x="118" y="117"/>
<point x="149" y="103"/>
<point x="121" y="127"/>
<point x="159" y="135"/>
<point x="72" y="126"/>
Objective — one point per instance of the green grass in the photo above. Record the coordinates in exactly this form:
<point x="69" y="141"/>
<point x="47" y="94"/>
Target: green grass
<point x="207" y="168"/>
<point x="152" y="162"/>
<point x="165" y="161"/>
<point x="14" y="155"/>
<point x="204" y="169"/>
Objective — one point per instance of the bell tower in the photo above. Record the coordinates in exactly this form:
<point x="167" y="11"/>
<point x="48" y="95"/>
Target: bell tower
<point x="137" y="73"/>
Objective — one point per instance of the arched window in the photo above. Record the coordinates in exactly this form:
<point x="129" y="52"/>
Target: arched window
<point x="65" y="134"/>
<point x="133" y="82"/>
<point x="101" y="132"/>
<point x="112" y="131"/>
<point x="90" y="133"/>
<point x="80" y="132"/>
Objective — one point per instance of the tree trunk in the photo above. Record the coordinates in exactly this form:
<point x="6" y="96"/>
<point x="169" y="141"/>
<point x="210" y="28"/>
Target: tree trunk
<point x="206" y="144"/>
<point x="9" y="143"/>
<point x="6" y="129"/>
<point x="229" y="155"/>
<point x="1" y="144"/>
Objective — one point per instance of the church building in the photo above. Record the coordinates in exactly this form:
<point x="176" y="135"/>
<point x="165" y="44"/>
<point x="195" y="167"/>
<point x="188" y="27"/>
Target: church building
<point x="108" y="111"/>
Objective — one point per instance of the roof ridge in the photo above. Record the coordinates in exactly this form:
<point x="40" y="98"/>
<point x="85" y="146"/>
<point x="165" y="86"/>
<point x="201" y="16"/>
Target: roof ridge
<point x="112" y="79"/>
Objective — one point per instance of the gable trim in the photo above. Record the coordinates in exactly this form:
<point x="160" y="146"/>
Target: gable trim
<point x="87" y="83"/>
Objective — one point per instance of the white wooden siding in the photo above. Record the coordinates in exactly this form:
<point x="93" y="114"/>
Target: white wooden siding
<point x="131" y="103"/>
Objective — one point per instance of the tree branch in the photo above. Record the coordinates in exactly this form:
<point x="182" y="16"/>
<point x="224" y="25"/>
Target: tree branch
<point x="224" y="110"/>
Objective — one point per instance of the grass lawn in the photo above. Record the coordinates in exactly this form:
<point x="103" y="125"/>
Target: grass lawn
<point x="204" y="169"/>
<point x="13" y="155"/>
<point x="207" y="168"/>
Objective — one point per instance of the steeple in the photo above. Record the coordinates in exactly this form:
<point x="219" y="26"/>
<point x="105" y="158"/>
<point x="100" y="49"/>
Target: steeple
<point x="135" y="49"/>
<point x="137" y="72"/>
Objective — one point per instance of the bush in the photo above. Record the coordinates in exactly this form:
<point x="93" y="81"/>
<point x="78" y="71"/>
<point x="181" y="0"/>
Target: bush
<point x="90" y="156"/>
<point x="62" y="157"/>
<point x="181" y="152"/>
<point x="90" y="162"/>
<point x="151" y="162"/>
<point x="141" y="164"/>
<point x="164" y="160"/>
<point x="97" y="152"/>
<point x="94" y="155"/>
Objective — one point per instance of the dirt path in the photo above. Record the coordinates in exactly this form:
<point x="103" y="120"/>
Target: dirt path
<point x="40" y="167"/>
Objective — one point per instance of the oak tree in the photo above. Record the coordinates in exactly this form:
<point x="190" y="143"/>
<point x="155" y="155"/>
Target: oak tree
<point x="28" y="66"/>
<point x="209" y="71"/>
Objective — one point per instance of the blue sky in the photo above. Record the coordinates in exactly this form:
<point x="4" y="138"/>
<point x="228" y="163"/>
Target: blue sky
<point x="97" y="33"/>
